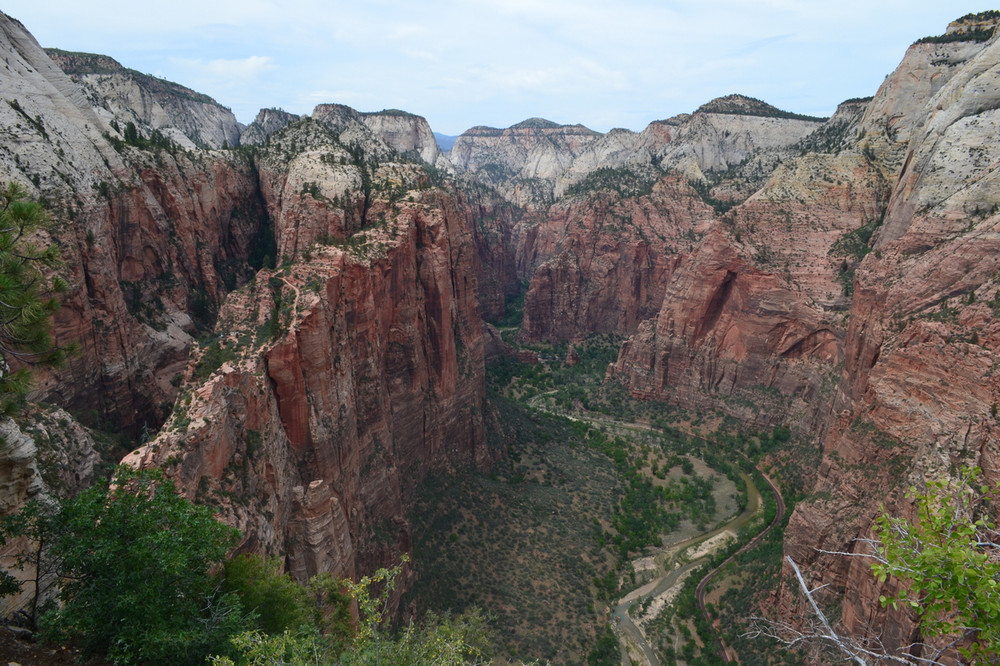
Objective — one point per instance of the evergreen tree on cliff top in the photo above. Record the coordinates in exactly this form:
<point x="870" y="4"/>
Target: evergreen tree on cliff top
<point x="27" y="295"/>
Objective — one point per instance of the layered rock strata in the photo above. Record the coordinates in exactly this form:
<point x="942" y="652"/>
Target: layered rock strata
<point x="600" y="262"/>
<point x="352" y="373"/>
<point x="152" y="237"/>
<point x="916" y="396"/>
<point x="537" y="161"/>
<point x="124" y="95"/>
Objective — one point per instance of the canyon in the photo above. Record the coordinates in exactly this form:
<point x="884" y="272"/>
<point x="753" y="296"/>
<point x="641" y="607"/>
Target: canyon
<point x="288" y="318"/>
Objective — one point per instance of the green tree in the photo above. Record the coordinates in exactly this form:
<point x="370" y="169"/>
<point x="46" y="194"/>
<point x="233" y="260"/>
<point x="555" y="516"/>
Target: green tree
<point x="437" y="640"/>
<point x="946" y="565"/>
<point x="27" y="294"/>
<point x="36" y="523"/>
<point x="948" y="562"/>
<point x="136" y="574"/>
<point x="278" y="601"/>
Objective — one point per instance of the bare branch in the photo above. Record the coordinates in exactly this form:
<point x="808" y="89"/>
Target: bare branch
<point x="831" y="635"/>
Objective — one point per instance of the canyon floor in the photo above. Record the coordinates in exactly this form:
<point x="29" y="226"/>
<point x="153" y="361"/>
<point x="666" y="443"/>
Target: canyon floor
<point x="537" y="539"/>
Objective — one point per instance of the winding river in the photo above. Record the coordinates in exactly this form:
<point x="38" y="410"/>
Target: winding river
<point x="674" y="563"/>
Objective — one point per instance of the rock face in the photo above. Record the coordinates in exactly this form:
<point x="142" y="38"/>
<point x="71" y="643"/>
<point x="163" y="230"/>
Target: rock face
<point x="267" y="122"/>
<point x="916" y="393"/>
<point x="371" y="373"/>
<point x="536" y="161"/>
<point x="45" y="454"/>
<point x="523" y="160"/>
<point x="348" y="374"/>
<point x="599" y="262"/>
<point x="732" y="333"/>
<point x="405" y="133"/>
<point x="838" y="276"/>
<point x="188" y="118"/>
<point x="152" y="238"/>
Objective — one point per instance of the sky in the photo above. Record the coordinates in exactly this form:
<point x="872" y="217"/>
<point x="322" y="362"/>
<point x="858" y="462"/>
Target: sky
<point x="461" y="63"/>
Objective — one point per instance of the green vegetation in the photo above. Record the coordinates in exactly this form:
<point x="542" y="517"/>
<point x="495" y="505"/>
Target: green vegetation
<point x="141" y="580"/>
<point x="576" y="499"/>
<point x="156" y="141"/>
<point x="828" y="138"/>
<point x="29" y="295"/>
<point x="391" y="112"/>
<point x="941" y="567"/>
<point x="35" y="122"/>
<point x="133" y="561"/>
<point x="704" y="190"/>
<point x="974" y="35"/>
<point x="627" y="182"/>
<point x="439" y="640"/>
<point x="743" y="586"/>
<point x="536" y="123"/>
<point x="741" y="105"/>
<point x="946" y="562"/>
<point x="854" y="246"/>
<point x="523" y="539"/>
<point x="214" y="355"/>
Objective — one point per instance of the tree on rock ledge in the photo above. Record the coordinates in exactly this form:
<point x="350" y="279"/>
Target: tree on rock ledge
<point x="136" y="565"/>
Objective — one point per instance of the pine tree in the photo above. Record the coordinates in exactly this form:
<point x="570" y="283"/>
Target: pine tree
<point x="27" y="295"/>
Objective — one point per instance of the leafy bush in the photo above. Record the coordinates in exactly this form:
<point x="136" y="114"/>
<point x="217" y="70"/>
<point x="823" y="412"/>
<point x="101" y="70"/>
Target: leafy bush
<point x="134" y="560"/>
<point x="278" y="601"/>
<point x="946" y="560"/>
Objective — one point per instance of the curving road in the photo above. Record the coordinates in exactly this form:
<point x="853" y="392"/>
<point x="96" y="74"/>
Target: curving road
<point x="626" y="630"/>
<point x="674" y="567"/>
<point x="700" y="590"/>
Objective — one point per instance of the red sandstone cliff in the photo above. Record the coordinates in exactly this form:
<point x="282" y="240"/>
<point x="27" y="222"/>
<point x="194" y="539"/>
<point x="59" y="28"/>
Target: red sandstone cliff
<point x="600" y="262"/>
<point x="349" y="373"/>
<point x="153" y="239"/>
<point x="352" y="371"/>
<point x="916" y="394"/>
<point x="752" y="321"/>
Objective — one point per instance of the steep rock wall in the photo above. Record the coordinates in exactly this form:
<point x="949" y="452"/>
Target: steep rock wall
<point x="918" y="387"/>
<point x="150" y="238"/>
<point x="599" y="263"/>
<point x="311" y="442"/>
<point x="188" y="118"/>
<point x="752" y="321"/>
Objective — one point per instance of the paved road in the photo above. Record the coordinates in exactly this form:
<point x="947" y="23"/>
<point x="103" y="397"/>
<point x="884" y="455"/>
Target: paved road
<point x="699" y="592"/>
<point x="626" y="629"/>
<point x="674" y="569"/>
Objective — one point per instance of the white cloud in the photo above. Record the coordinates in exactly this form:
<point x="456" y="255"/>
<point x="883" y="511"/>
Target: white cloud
<point x="468" y="62"/>
<point x="240" y="70"/>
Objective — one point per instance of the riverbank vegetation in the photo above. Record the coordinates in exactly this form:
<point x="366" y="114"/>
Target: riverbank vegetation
<point x="588" y="480"/>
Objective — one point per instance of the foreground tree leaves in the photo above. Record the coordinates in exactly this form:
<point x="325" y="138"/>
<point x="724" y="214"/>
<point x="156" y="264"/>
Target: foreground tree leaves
<point x="141" y="581"/>
<point x="949" y="562"/>
<point x="947" y="566"/>
<point x="135" y="566"/>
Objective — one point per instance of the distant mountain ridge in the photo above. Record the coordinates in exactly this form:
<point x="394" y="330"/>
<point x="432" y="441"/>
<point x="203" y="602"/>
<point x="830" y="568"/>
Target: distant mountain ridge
<point x="445" y="141"/>
<point x="839" y="276"/>
<point x="749" y="106"/>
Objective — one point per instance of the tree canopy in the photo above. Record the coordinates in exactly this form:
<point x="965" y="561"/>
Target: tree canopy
<point x="949" y="563"/>
<point x="946" y="566"/>
<point x="136" y="568"/>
